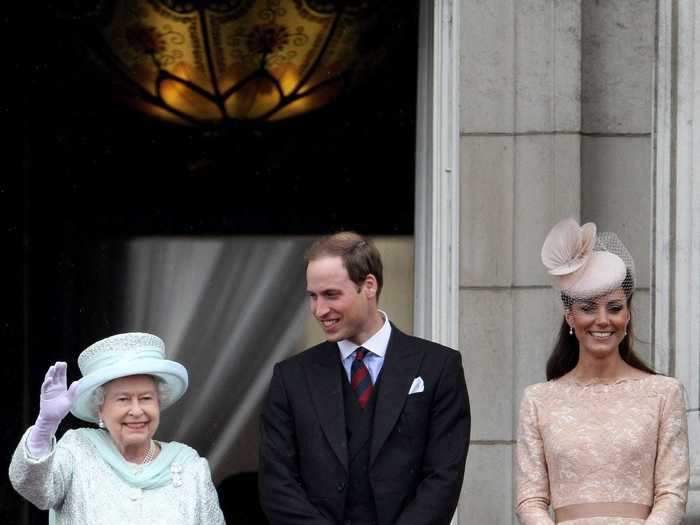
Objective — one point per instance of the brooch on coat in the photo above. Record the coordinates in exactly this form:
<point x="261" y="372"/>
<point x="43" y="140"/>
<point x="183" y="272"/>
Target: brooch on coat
<point x="176" y="471"/>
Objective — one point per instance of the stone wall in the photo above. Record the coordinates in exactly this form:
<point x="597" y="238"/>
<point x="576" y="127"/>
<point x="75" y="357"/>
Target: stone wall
<point x="617" y="71"/>
<point x="555" y="121"/>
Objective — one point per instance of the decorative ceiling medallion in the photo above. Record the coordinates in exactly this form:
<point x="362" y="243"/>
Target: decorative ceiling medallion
<point x="214" y="61"/>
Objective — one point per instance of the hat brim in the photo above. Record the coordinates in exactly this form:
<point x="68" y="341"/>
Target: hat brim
<point x="173" y="374"/>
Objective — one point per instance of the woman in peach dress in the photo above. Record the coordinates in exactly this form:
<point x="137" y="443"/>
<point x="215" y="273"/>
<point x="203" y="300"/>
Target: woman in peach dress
<point x="604" y="441"/>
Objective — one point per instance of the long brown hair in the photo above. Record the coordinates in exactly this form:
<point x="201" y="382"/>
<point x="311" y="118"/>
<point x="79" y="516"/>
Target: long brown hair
<point x="564" y="356"/>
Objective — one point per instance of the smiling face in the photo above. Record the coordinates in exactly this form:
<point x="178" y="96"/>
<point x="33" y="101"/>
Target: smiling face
<point x="600" y="323"/>
<point x="344" y="309"/>
<point x="131" y="411"/>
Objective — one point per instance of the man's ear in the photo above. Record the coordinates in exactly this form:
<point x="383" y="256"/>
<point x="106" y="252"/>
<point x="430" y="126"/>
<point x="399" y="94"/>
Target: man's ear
<point x="370" y="286"/>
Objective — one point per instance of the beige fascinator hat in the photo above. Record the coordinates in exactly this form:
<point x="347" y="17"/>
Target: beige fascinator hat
<point x="126" y="355"/>
<point x="585" y="263"/>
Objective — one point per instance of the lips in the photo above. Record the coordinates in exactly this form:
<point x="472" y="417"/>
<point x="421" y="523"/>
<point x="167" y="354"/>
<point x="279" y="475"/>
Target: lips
<point x="138" y="426"/>
<point x="328" y="324"/>
<point x="601" y="335"/>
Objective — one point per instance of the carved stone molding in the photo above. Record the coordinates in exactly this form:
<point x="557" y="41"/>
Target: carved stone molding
<point x="676" y="233"/>
<point x="436" y="296"/>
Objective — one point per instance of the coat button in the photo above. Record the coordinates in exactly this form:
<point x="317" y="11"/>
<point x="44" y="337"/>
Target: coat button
<point x="340" y="487"/>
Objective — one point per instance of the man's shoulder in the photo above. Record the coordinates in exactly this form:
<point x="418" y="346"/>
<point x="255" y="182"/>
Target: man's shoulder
<point x="307" y="355"/>
<point x="423" y="345"/>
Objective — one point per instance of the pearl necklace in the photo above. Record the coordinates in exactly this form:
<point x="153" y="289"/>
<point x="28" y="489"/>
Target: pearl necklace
<point x="150" y="455"/>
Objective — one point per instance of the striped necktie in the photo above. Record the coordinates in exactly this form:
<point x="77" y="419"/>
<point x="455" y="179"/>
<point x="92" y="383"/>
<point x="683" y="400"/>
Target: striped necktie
<point x="360" y="380"/>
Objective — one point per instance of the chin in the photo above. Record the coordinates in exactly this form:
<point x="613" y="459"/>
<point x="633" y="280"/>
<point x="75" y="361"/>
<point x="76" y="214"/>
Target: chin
<point x="138" y="436"/>
<point x="602" y="350"/>
<point x="335" y="335"/>
<point x="140" y="440"/>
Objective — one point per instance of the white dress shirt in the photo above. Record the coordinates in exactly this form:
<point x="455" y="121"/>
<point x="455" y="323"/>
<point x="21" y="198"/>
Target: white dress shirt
<point x="377" y="345"/>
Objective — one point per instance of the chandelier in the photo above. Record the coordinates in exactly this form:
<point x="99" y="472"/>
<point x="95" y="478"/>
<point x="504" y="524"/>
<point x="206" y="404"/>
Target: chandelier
<point x="217" y="61"/>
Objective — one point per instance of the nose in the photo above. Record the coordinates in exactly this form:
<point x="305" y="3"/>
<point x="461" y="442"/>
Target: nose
<point x="601" y="316"/>
<point x="319" y="307"/>
<point x="135" y="409"/>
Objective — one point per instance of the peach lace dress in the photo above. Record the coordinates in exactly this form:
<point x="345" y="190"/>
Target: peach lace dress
<point x="624" y="445"/>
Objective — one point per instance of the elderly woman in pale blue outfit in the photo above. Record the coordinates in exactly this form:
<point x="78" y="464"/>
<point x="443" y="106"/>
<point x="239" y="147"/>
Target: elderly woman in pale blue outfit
<point x="118" y="473"/>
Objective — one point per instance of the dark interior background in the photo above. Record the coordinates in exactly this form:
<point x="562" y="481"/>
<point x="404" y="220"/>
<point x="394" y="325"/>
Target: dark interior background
<point x="83" y="172"/>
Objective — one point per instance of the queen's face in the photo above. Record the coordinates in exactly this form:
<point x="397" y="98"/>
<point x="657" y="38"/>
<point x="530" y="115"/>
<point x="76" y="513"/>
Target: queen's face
<point x="131" y="411"/>
<point x="600" y="324"/>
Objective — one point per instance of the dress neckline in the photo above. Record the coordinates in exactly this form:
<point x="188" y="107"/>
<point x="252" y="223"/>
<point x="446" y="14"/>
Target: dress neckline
<point x="599" y="381"/>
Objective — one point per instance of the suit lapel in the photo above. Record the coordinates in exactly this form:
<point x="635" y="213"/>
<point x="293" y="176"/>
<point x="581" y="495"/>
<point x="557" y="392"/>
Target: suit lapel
<point x="327" y="394"/>
<point x="400" y="368"/>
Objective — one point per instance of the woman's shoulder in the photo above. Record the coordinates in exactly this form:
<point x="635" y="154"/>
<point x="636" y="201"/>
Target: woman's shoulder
<point x="183" y="454"/>
<point x="541" y="388"/>
<point x="75" y="438"/>
<point x="538" y="391"/>
<point x="666" y="385"/>
<point x="179" y="446"/>
<point x="663" y="381"/>
<point x="76" y="443"/>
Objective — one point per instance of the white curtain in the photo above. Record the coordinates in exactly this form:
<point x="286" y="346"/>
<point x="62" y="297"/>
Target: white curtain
<point x="228" y="309"/>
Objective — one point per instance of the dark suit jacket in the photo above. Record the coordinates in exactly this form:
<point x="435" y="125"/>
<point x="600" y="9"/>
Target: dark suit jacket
<point x="418" y="448"/>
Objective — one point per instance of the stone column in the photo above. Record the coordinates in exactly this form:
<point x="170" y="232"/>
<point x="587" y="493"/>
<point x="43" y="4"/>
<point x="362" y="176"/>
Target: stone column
<point x="676" y="277"/>
<point x="616" y="115"/>
<point x="520" y="144"/>
<point x="436" y="290"/>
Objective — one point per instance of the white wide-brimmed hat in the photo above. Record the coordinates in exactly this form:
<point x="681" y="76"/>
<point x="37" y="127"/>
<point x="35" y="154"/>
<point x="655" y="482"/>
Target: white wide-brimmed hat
<point x="586" y="263"/>
<point x="124" y="355"/>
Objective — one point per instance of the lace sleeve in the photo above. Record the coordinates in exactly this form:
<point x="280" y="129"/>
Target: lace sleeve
<point x="532" y="499"/>
<point x="672" y="469"/>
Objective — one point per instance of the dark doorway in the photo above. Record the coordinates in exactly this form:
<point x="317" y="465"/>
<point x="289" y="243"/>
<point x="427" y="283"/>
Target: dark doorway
<point x="86" y="172"/>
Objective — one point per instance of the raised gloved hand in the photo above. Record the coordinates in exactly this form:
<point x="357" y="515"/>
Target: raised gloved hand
<point x="56" y="402"/>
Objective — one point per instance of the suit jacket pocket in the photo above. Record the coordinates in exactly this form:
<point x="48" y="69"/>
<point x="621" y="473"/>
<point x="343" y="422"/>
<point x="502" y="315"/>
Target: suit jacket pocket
<point x="415" y="415"/>
<point x="418" y="398"/>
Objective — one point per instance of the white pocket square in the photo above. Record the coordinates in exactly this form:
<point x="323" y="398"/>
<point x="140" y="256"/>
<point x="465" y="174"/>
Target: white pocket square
<point x="417" y="386"/>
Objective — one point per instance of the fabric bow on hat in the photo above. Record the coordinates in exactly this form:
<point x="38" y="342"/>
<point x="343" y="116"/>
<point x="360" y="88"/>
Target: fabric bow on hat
<point x="568" y="246"/>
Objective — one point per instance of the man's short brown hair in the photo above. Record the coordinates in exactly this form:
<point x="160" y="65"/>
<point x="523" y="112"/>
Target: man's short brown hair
<point x="360" y="257"/>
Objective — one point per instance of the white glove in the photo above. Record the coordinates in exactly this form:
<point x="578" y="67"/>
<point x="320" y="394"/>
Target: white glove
<point x="56" y="402"/>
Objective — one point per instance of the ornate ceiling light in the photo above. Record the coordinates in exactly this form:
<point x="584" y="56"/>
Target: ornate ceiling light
<point x="213" y="61"/>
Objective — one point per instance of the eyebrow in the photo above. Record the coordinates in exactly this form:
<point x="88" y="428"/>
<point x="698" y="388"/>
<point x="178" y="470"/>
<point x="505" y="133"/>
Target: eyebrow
<point x="127" y="393"/>
<point x="325" y="290"/>
<point x="587" y="303"/>
<point x="599" y="303"/>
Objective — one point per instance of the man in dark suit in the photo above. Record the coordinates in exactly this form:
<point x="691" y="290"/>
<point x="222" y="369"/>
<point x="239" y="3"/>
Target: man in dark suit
<point x="370" y="426"/>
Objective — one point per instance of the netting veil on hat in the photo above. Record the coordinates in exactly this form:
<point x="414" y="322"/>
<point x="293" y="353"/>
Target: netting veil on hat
<point x="587" y="264"/>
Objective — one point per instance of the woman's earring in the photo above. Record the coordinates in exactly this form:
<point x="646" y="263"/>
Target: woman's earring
<point x="101" y="423"/>
<point x="571" y="330"/>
